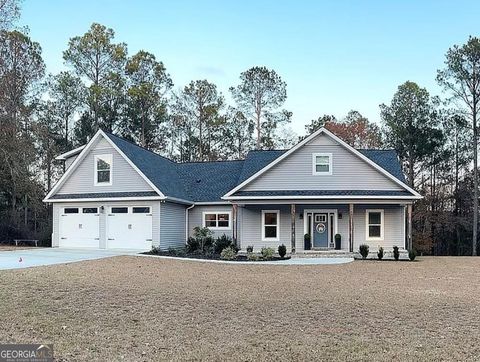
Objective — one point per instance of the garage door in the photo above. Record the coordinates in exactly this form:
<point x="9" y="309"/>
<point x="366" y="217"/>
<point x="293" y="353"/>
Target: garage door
<point x="129" y="227"/>
<point x="79" y="227"/>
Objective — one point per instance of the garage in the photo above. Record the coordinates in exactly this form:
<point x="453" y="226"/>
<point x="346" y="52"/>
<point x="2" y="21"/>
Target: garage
<point x="79" y="227"/>
<point x="129" y="227"/>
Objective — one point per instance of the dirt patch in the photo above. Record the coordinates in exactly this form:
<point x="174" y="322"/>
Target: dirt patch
<point x="155" y="309"/>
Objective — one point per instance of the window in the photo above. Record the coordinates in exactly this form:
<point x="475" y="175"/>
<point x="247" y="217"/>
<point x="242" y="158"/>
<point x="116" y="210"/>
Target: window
<point x="103" y="170"/>
<point x="70" y="210"/>
<point x="322" y="164"/>
<point x="141" y="210"/>
<point x="270" y="225"/>
<point x="374" y="224"/>
<point x="320" y="218"/>
<point x="119" y="210"/>
<point x="216" y="220"/>
<point x="90" y="210"/>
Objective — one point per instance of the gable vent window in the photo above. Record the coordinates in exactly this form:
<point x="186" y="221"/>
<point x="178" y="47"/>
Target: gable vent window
<point x="103" y="170"/>
<point x="322" y="164"/>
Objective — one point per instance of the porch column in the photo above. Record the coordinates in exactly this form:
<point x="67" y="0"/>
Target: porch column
<point x="235" y="226"/>
<point x="409" y="226"/>
<point x="350" y="226"/>
<point x="292" y="212"/>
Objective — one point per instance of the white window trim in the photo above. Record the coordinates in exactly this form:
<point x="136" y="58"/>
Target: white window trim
<point x="314" y="164"/>
<point x="229" y="227"/>
<point x="263" y="225"/>
<point x="109" y="158"/>
<point x="382" y="225"/>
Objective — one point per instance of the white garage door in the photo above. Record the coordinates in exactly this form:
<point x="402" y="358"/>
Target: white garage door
<point x="129" y="227"/>
<point x="79" y="227"/>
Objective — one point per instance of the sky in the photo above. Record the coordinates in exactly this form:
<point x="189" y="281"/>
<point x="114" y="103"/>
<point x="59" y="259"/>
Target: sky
<point x="335" y="56"/>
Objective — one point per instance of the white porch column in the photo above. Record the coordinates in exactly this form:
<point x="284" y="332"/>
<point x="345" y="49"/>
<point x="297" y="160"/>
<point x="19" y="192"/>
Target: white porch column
<point x="350" y="226"/>
<point x="235" y="225"/>
<point x="409" y="226"/>
<point x="292" y="212"/>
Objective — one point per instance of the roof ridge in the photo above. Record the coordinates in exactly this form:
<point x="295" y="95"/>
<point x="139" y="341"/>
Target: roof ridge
<point x="141" y="147"/>
<point x="206" y="162"/>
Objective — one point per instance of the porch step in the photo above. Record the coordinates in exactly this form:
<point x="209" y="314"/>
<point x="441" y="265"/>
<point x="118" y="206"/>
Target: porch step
<point x="323" y="254"/>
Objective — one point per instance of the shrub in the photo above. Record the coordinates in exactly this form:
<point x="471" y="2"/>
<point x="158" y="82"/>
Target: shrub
<point x="222" y="242"/>
<point x="252" y="257"/>
<point x="396" y="253"/>
<point x="250" y="249"/>
<point x="155" y="250"/>
<point x="172" y="250"/>
<point x="193" y="244"/>
<point x="380" y="253"/>
<point x="412" y="254"/>
<point x="282" y="251"/>
<point x="364" y="251"/>
<point x="267" y="253"/>
<point x="228" y="253"/>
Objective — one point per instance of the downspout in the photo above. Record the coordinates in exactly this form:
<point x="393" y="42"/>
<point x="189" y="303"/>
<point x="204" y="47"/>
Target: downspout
<point x="186" y="221"/>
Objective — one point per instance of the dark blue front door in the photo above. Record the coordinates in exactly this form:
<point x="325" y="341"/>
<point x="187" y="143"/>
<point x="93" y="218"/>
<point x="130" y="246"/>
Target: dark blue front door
<point x="320" y="230"/>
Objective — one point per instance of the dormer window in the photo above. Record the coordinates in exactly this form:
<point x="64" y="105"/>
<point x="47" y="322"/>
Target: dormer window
<point x="322" y="164"/>
<point x="103" y="170"/>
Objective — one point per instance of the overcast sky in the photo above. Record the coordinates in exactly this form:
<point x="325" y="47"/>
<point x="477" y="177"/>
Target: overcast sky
<point x="334" y="55"/>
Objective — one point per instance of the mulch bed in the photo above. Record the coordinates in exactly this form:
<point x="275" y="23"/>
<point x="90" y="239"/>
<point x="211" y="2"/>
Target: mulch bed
<point x="240" y="257"/>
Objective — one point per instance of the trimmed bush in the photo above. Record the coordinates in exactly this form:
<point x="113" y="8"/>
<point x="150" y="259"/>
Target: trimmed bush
<point x="396" y="253"/>
<point x="252" y="257"/>
<point x="267" y="253"/>
<point x="228" y="253"/>
<point x="282" y="251"/>
<point x="222" y="242"/>
<point x="364" y="250"/>
<point x="250" y="249"/>
<point x="193" y="244"/>
<point x="412" y="254"/>
<point x="380" y="253"/>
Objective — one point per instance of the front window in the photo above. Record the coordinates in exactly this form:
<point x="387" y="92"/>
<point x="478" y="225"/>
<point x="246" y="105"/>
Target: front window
<point x="322" y="163"/>
<point x="374" y="224"/>
<point x="216" y="220"/>
<point x="103" y="170"/>
<point x="270" y="225"/>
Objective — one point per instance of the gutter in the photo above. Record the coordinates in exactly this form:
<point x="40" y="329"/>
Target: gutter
<point x="186" y="221"/>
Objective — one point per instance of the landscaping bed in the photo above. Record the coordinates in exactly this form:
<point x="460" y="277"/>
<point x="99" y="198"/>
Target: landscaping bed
<point x="183" y="254"/>
<point x="203" y="246"/>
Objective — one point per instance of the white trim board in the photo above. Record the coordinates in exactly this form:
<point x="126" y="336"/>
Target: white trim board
<point x="82" y="155"/>
<point x="308" y="139"/>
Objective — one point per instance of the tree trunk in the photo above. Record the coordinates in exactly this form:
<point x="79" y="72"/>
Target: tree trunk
<point x="475" y="178"/>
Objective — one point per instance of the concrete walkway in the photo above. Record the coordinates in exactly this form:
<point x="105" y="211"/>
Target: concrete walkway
<point x="17" y="259"/>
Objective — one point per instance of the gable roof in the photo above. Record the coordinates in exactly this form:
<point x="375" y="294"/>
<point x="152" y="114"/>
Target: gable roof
<point x="192" y="182"/>
<point x="323" y="130"/>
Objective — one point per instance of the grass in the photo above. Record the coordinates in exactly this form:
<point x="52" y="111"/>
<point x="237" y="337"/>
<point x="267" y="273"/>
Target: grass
<point x="137" y="308"/>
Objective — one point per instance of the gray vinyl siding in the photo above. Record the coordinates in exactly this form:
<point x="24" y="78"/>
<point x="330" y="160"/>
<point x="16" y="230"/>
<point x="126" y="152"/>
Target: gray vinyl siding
<point x="124" y="177"/>
<point x="195" y="218"/>
<point x="69" y="161"/>
<point x="349" y="172"/>
<point x="58" y="207"/>
<point x="172" y="228"/>
<point x="251" y="226"/>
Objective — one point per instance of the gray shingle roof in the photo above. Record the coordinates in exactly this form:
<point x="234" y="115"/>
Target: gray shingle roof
<point x="209" y="181"/>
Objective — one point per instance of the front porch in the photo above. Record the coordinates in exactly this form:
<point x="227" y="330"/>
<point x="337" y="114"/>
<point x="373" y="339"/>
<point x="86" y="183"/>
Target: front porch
<point x="323" y="229"/>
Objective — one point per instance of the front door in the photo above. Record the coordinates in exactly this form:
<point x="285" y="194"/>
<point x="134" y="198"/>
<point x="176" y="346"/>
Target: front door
<point x="320" y="230"/>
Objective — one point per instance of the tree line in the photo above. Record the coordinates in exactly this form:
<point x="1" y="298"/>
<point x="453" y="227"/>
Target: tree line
<point x="133" y="96"/>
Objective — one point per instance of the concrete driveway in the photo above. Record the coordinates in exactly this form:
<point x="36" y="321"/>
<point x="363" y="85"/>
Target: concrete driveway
<point x="17" y="259"/>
